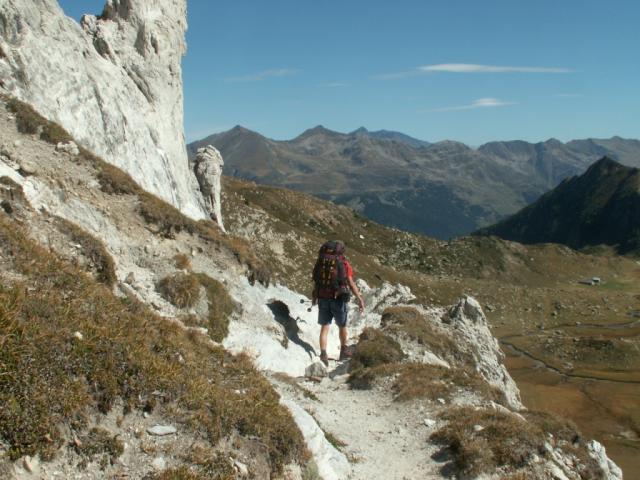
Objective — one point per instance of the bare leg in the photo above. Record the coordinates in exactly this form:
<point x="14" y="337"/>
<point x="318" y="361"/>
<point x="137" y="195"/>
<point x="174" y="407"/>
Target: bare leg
<point x="324" y="333"/>
<point x="343" y="337"/>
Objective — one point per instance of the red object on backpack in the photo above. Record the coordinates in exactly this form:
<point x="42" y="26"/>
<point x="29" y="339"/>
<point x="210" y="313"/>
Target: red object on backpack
<point x="331" y="271"/>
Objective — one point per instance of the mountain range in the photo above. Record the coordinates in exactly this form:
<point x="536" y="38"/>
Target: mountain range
<point x="600" y="207"/>
<point x="442" y="189"/>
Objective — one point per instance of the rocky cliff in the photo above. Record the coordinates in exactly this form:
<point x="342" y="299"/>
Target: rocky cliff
<point x="114" y="82"/>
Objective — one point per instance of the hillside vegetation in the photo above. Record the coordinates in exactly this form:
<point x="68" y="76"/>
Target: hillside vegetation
<point x="601" y="207"/>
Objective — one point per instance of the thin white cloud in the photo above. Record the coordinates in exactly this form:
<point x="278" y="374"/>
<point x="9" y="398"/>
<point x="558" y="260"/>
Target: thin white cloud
<point x="265" y="74"/>
<point x="475" y="68"/>
<point x="467" y="68"/>
<point x="479" y="103"/>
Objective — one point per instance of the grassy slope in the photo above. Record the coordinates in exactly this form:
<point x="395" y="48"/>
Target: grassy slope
<point x="70" y="349"/>
<point x="530" y="293"/>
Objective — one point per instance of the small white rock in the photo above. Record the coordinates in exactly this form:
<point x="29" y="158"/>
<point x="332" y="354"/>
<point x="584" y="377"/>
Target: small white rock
<point x="441" y="401"/>
<point x="30" y="464"/>
<point x="241" y="468"/>
<point x="162" y="430"/>
<point x="428" y="422"/>
<point x="478" y="428"/>
<point x="28" y="168"/>
<point x="316" y="369"/>
<point x="78" y="336"/>
<point x="159" y="463"/>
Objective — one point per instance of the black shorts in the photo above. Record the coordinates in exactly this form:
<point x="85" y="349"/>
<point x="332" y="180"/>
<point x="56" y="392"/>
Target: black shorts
<point x="330" y="309"/>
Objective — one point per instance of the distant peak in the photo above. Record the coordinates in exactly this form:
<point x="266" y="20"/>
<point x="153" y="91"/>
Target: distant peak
<point x="317" y="130"/>
<point x="361" y="130"/>
<point x="606" y="162"/>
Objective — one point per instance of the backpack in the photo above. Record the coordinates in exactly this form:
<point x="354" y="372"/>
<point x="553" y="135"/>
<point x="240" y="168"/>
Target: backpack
<point x="330" y="273"/>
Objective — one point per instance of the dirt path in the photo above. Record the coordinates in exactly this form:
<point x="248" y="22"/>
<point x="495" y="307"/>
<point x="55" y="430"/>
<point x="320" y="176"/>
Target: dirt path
<point x="381" y="438"/>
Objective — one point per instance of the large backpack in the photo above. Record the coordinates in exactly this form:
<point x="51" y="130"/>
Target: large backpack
<point x="330" y="273"/>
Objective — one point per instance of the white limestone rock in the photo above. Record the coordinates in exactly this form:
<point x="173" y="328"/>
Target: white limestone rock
<point x="316" y="369"/>
<point x="472" y="334"/>
<point x="208" y="169"/>
<point x="332" y="464"/>
<point x="115" y="83"/>
<point x="69" y="148"/>
<point x="609" y="468"/>
<point x="162" y="430"/>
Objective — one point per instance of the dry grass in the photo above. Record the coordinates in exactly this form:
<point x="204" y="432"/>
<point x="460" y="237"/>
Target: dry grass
<point x="49" y="378"/>
<point x="11" y="195"/>
<point x="181" y="289"/>
<point x="98" y="442"/>
<point x="214" y="467"/>
<point x="94" y="249"/>
<point x="374" y="349"/>
<point x="221" y="306"/>
<point x="168" y="220"/>
<point x="411" y="323"/>
<point x="30" y="122"/>
<point x="374" y="352"/>
<point x="505" y="440"/>
<point x="420" y="381"/>
<point x="182" y="261"/>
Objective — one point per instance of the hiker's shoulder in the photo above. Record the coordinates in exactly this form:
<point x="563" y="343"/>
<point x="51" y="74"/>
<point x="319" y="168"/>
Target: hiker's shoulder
<point x="348" y="267"/>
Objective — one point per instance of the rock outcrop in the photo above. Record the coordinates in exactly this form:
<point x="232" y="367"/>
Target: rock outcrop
<point x="114" y="82"/>
<point x="208" y="169"/>
<point x="472" y="334"/>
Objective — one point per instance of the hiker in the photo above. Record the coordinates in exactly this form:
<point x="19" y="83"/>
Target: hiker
<point x="333" y="284"/>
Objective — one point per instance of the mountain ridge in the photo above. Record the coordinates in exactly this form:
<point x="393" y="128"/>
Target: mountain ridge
<point x="443" y="189"/>
<point x="600" y="207"/>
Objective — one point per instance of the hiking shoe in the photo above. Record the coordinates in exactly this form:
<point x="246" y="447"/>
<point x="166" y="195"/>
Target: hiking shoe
<point x="324" y="358"/>
<point x="345" y="353"/>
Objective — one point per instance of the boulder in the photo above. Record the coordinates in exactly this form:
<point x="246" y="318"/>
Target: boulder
<point x="70" y="148"/>
<point x="316" y="369"/>
<point x="472" y="334"/>
<point x="208" y="170"/>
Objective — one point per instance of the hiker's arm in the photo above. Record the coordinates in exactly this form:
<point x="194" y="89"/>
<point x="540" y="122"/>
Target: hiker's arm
<point x="314" y="295"/>
<point x="356" y="292"/>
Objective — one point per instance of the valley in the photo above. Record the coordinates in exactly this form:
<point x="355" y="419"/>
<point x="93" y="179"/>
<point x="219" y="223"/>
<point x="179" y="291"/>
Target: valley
<point x="573" y="349"/>
<point x="443" y="189"/>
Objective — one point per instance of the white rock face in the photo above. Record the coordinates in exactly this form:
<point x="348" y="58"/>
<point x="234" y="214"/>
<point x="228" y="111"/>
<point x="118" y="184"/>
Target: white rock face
<point x="598" y="453"/>
<point x="115" y="83"/>
<point x="332" y="465"/>
<point x="472" y="332"/>
<point x="208" y="169"/>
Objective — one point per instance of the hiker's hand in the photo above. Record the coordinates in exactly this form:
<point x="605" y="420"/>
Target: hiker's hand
<point x="360" y="305"/>
<point x="314" y="301"/>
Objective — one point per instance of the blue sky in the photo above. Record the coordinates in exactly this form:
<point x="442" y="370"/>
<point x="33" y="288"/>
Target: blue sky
<point x="466" y="70"/>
